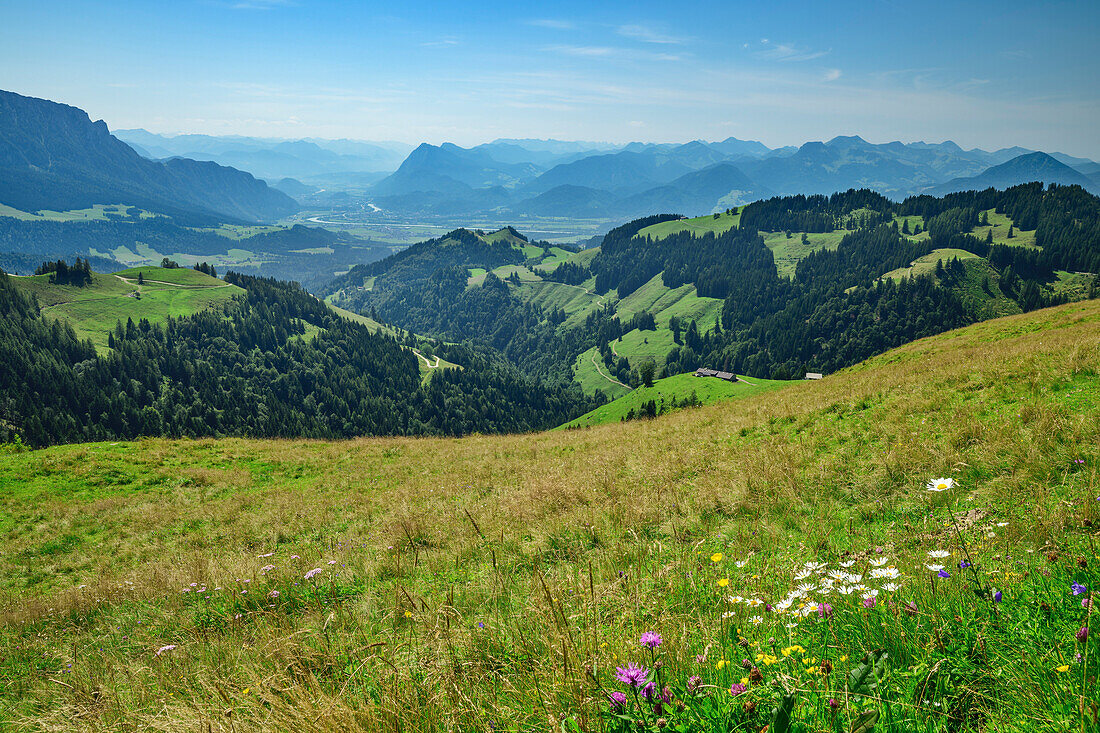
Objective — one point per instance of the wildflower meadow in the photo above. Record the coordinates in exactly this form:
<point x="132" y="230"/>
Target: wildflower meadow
<point x="908" y="545"/>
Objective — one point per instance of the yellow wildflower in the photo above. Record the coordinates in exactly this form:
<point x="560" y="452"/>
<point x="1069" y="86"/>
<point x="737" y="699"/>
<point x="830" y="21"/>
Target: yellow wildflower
<point x="716" y="557"/>
<point x="1063" y="668"/>
<point x="723" y="582"/>
<point x="408" y="614"/>
<point x="722" y="664"/>
<point x="246" y="690"/>
<point x="744" y="680"/>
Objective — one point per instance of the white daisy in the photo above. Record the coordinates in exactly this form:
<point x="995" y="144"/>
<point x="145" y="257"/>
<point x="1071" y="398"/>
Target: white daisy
<point x="855" y="577"/>
<point x="792" y="625"/>
<point x="847" y="563"/>
<point x="757" y="619"/>
<point x="802" y="575"/>
<point x="754" y="602"/>
<point x="941" y="484"/>
<point x="845" y="590"/>
<point x="878" y="562"/>
<point x="939" y="554"/>
<point x="934" y="568"/>
<point x="891" y="587"/>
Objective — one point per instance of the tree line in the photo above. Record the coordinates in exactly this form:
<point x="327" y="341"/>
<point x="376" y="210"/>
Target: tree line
<point x="250" y="367"/>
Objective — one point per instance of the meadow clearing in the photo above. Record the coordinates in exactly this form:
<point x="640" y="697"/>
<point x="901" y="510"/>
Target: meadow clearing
<point x="906" y="545"/>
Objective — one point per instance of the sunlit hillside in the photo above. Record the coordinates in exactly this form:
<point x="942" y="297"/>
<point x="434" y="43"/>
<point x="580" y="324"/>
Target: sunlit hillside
<point x="490" y="583"/>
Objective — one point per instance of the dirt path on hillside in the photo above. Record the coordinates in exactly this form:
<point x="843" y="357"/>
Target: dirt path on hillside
<point x="610" y="379"/>
<point x="427" y="362"/>
<point x="133" y="281"/>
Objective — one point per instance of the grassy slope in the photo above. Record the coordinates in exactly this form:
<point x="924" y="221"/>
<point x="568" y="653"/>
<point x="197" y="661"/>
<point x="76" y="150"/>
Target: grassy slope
<point x="926" y="265"/>
<point x="679" y="387"/>
<point x="591" y="374"/>
<point x="97" y="213"/>
<point x="474" y="580"/>
<point x="95" y="309"/>
<point x="698" y="225"/>
<point x="789" y="251"/>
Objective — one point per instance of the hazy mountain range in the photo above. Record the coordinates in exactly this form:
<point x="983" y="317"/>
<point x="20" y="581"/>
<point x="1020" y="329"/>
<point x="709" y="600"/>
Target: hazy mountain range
<point x="52" y="156"/>
<point x="699" y="177"/>
<point x="272" y="159"/>
<point x="556" y="178"/>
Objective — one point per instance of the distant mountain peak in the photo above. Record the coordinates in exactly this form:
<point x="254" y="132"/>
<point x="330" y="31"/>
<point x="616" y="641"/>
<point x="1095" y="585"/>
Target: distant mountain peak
<point x="53" y="156"/>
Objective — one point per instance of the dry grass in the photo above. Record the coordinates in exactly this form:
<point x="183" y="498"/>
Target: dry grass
<point x="557" y="542"/>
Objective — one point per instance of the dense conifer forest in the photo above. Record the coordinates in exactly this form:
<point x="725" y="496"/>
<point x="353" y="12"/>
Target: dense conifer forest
<point x="836" y="310"/>
<point x="275" y="362"/>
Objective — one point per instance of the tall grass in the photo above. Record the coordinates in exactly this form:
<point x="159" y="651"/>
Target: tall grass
<point x="497" y="583"/>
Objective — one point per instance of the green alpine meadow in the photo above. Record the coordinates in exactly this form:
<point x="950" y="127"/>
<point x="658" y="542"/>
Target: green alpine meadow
<point x="907" y="544"/>
<point x="570" y="368"/>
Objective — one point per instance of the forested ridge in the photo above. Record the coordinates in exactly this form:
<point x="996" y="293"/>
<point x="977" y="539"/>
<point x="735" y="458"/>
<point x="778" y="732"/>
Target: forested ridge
<point x="274" y="362"/>
<point x="837" y="309"/>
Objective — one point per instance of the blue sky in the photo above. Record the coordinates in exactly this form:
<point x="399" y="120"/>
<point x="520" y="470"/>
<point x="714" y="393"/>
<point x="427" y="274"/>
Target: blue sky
<point x="980" y="73"/>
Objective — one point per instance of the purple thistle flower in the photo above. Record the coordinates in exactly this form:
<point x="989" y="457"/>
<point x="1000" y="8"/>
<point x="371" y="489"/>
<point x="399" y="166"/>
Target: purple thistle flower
<point x="649" y="691"/>
<point x="737" y="688"/>
<point x="651" y="639"/>
<point x="1083" y="634"/>
<point x="618" y="699"/>
<point x="824" y="610"/>
<point x="833" y="704"/>
<point x="1078" y="589"/>
<point x="632" y="675"/>
<point x="944" y="574"/>
<point x="869" y="602"/>
<point x="693" y="682"/>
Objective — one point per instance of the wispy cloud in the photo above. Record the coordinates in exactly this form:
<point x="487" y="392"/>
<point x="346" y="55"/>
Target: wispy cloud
<point x="587" y="51"/>
<point x="443" y="41"/>
<point x="930" y="78"/>
<point x="787" y="52"/>
<point x="831" y="74"/>
<point x="261" y="4"/>
<point x="611" y="52"/>
<point x="554" y="23"/>
<point x="647" y="34"/>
